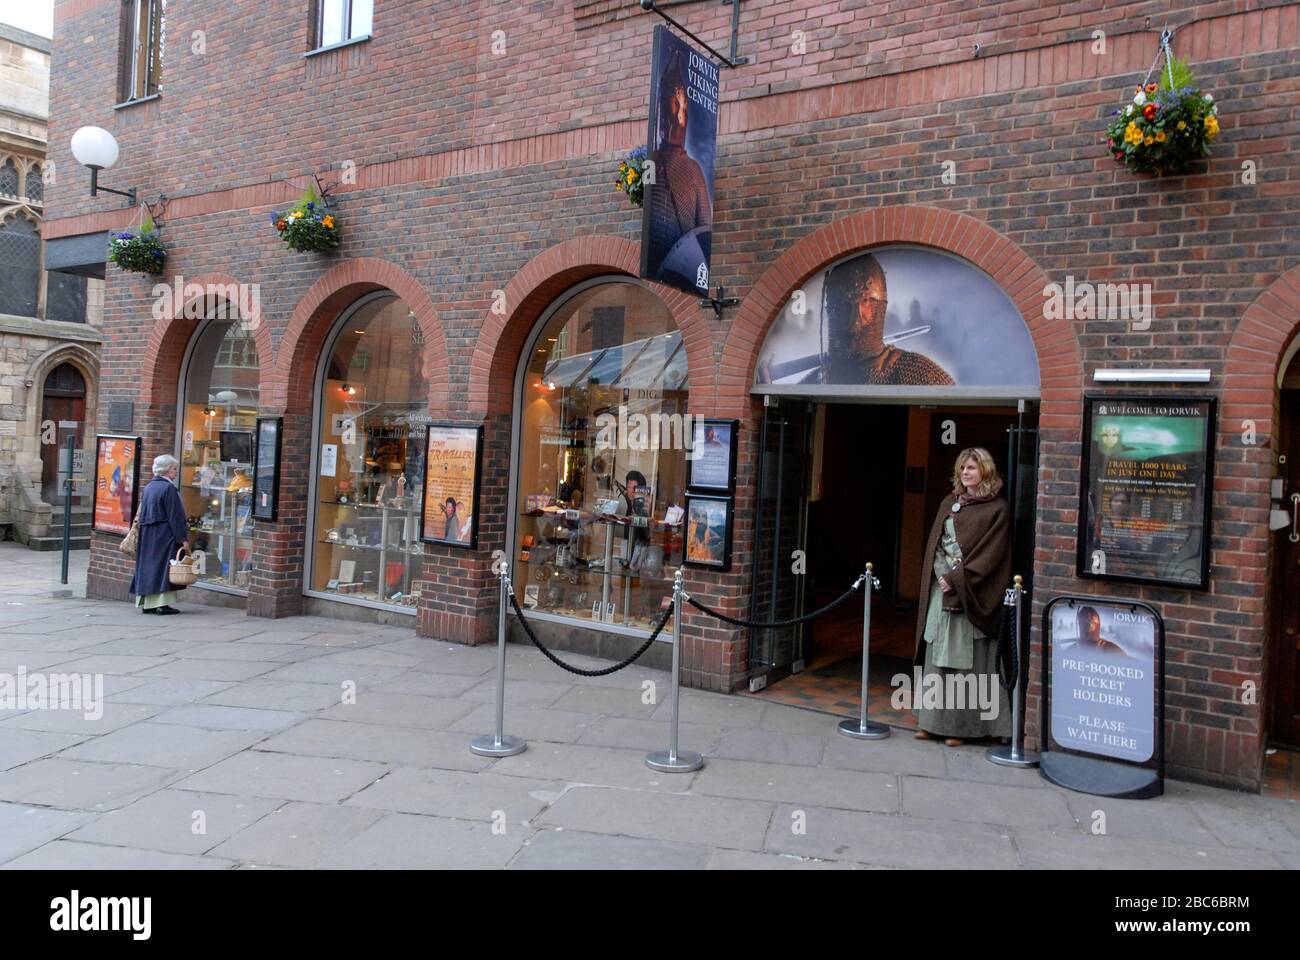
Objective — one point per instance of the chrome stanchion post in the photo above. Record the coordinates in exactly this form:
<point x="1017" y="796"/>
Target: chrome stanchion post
<point x="672" y="760"/>
<point x="862" y="728"/>
<point x="498" y="744"/>
<point x="1014" y="753"/>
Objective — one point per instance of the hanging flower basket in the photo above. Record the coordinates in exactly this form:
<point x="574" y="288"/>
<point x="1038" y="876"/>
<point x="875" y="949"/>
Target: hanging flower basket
<point x="309" y="227"/>
<point x="138" y="251"/>
<point x="1168" y="126"/>
<point x="631" y="171"/>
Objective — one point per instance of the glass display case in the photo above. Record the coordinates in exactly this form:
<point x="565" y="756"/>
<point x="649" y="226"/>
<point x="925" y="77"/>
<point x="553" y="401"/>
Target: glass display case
<point x="600" y="527"/>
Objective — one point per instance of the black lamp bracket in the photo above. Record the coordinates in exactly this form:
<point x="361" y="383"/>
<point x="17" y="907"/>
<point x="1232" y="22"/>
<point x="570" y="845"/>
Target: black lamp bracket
<point x="96" y="189"/>
<point x="719" y="302"/>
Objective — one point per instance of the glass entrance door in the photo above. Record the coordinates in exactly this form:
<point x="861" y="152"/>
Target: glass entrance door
<point x="780" y="528"/>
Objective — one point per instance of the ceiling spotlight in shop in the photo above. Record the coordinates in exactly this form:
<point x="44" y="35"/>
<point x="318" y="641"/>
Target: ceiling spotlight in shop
<point x="347" y="388"/>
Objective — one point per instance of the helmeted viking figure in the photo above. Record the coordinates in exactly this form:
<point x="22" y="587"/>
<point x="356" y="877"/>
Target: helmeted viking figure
<point x="854" y="304"/>
<point x="681" y="213"/>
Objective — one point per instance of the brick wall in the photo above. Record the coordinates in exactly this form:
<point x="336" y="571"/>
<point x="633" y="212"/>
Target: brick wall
<point x="476" y="174"/>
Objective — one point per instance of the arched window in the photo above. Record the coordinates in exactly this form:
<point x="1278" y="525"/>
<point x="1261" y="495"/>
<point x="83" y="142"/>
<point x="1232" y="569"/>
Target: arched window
<point x="8" y="178"/>
<point x="373" y="404"/>
<point x="34" y="185"/>
<point x="219" y="405"/>
<point x="602" y="457"/>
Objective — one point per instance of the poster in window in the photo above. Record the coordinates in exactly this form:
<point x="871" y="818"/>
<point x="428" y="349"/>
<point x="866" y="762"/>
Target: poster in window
<point x="708" y="531"/>
<point x="451" y="484"/>
<point x="1144" y="505"/>
<point x="117" y="483"/>
<point x="266" y="468"/>
<point x="711" y="461"/>
<point x="677" y="218"/>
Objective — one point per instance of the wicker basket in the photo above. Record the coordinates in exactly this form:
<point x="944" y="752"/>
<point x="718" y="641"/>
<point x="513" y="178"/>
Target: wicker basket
<point x="180" y="572"/>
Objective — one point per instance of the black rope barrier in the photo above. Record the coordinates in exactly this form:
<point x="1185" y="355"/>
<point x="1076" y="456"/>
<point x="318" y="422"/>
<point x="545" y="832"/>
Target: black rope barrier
<point x="663" y="621"/>
<point x="1008" y="653"/>
<point x="775" y="624"/>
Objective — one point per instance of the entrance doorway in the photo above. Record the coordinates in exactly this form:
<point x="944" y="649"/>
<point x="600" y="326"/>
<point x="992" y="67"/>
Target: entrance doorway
<point x="63" y="407"/>
<point x="852" y="483"/>
<point x="1284" y="718"/>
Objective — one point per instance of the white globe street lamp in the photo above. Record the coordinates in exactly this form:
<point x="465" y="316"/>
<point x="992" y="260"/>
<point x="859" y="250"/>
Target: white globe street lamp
<point x="96" y="149"/>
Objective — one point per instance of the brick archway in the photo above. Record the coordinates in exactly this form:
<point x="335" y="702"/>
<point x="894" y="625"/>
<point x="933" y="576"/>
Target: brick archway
<point x="538" y="283"/>
<point x="1060" y="361"/>
<point x="1255" y="354"/>
<point x="170" y="337"/>
<point x="290" y="385"/>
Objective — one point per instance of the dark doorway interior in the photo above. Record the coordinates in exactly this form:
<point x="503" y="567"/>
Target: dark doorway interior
<point x="884" y="471"/>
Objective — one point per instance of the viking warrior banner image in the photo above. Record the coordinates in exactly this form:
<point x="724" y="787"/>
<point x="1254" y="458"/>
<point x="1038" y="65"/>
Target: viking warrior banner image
<point x="899" y="321"/>
<point x="677" y="224"/>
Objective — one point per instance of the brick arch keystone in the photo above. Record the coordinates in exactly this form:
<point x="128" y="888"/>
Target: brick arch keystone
<point x="291" y="385"/>
<point x="170" y="336"/>
<point x="544" y="278"/>
<point x="1060" y="361"/>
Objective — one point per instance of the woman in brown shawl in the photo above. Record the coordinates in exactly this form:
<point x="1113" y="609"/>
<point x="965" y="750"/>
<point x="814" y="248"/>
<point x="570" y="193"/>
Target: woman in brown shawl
<point x="967" y="570"/>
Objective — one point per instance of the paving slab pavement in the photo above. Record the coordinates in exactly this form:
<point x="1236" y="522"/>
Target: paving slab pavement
<point x="230" y="742"/>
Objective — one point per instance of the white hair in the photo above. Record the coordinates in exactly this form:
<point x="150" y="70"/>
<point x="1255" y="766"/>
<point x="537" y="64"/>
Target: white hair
<point x="164" y="463"/>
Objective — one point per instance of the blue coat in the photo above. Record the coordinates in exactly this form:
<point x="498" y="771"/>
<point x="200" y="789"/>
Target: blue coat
<point x="163" y="528"/>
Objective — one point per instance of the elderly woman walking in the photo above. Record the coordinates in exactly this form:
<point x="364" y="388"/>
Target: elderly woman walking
<point x="163" y="531"/>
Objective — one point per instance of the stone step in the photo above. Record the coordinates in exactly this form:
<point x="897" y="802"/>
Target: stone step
<point x="45" y="544"/>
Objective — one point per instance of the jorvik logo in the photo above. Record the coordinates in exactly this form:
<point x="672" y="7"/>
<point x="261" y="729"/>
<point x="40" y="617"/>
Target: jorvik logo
<point x="1098" y="301"/>
<point x="215" y="301"/>
<point x="653" y="431"/>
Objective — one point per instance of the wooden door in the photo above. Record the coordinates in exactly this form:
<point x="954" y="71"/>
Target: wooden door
<point x="1285" y="692"/>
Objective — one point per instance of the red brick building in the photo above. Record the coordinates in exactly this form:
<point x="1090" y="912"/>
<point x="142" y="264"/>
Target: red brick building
<point x="471" y="152"/>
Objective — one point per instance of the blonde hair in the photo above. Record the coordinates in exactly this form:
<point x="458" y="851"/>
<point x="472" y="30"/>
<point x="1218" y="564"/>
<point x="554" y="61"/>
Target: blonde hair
<point x="988" y="471"/>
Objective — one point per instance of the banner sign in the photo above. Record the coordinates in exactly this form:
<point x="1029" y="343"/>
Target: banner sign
<point x="677" y="222"/>
<point x="1103" y="672"/>
<point x="1104" y="692"/>
<point x="903" y="322"/>
<point x="451" y="484"/>
<point x="1144" y="510"/>
<point x="117" y="483"/>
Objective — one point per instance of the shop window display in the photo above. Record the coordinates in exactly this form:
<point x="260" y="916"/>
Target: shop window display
<point x="370" y="459"/>
<point x="219" y="413"/>
<point x="602" y="459"/>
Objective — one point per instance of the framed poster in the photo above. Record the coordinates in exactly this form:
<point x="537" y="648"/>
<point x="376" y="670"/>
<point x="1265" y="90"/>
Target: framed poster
<point x="708" y="531"/>
<point x="677" y="218"/>
<point x="266" y="468"/>
<point x="1104" y="696"/>
<point x="449" y="513"/>
<point x="711" y="461"/>
<point x="1144" y="498"/>
<point x="117" y="483"/>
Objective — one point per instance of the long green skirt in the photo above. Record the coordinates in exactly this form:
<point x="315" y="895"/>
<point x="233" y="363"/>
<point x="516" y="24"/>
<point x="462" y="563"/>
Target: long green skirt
<point x="155" y="600"/>
<point x="949" y="721"/>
